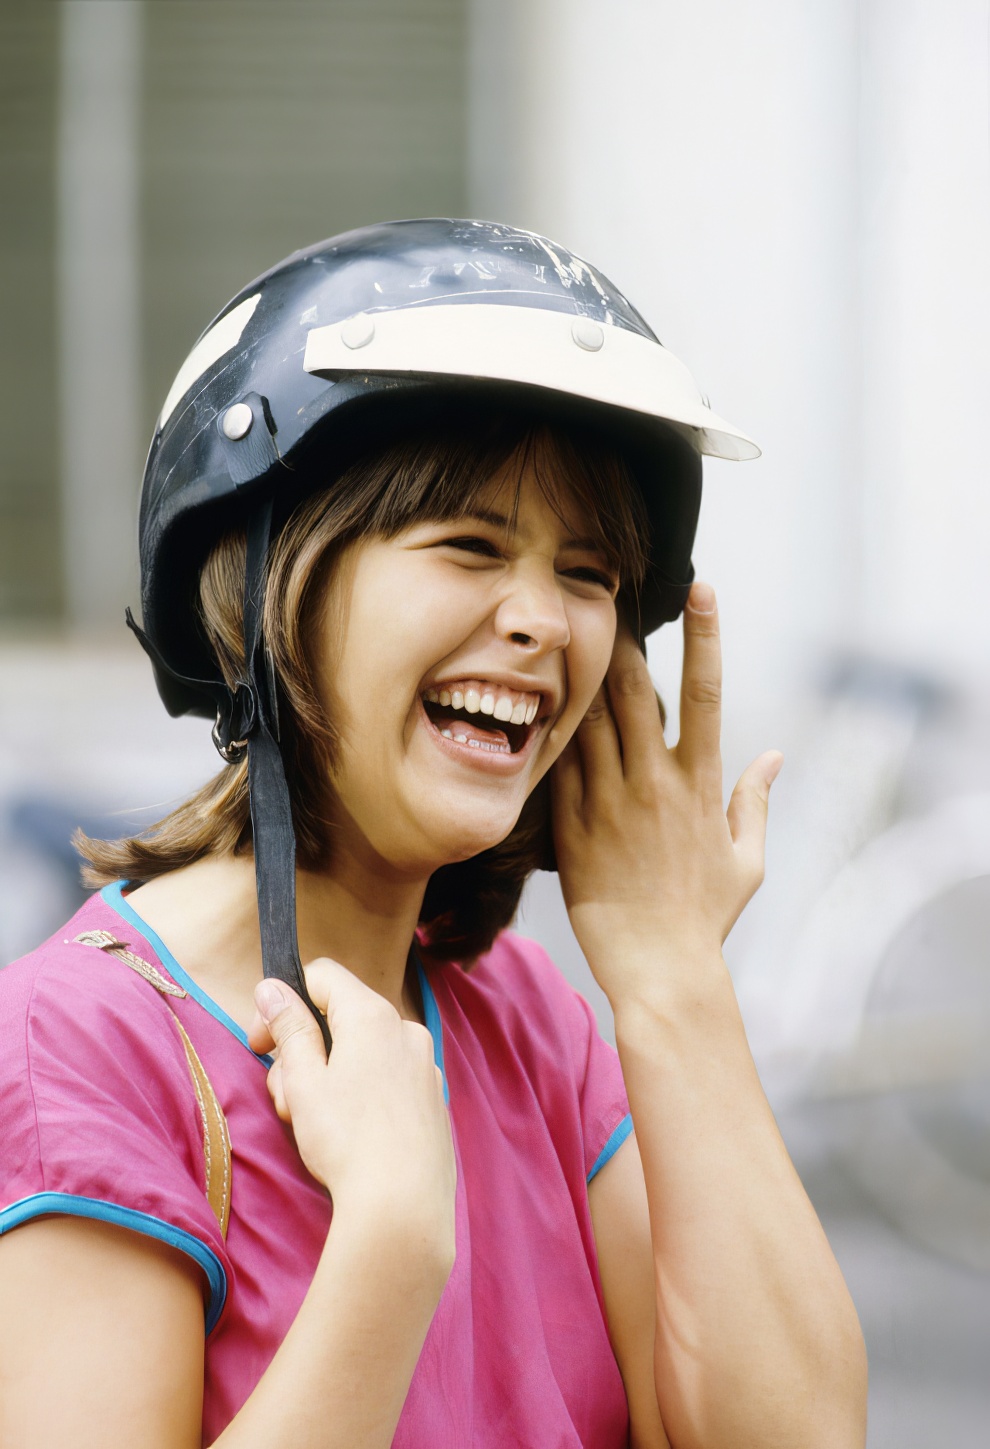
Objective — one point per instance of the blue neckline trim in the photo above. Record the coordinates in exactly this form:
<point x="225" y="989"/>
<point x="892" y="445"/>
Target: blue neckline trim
<point x="434" y="1025"/>
<point x="615" y="1141"/>
<point x="68" y="1204"/>
<point x="115" y="899"/>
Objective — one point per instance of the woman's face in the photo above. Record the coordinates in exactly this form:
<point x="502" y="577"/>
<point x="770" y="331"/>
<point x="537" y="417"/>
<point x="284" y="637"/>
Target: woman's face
<point x="459" y="659"/>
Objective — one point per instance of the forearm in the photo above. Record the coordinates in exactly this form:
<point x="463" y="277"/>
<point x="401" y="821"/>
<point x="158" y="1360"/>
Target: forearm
<point x="757" y="1339"/>
<point x="341" y="1375"/>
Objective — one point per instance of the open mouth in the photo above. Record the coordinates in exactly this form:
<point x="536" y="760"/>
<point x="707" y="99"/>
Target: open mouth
<point x="483" y="716"/>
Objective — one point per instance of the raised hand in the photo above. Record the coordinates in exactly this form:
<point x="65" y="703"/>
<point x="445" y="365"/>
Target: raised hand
<point x="653" y="869"/>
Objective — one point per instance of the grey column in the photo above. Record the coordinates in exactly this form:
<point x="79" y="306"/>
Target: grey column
<point x="101" y="429"/>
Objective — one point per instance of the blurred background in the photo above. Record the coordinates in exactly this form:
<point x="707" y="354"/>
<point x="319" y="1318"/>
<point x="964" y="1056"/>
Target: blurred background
<point x="798" y="199"/>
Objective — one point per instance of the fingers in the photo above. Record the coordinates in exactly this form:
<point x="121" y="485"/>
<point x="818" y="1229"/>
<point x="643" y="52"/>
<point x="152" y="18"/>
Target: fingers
<point x="320" y="974"/>
<point x="566" y="784"/>
<point x="598" y="745"/>
<point x="701" y="686"/>
<point x="747" y="813"/>
<point x="635" y="705"/>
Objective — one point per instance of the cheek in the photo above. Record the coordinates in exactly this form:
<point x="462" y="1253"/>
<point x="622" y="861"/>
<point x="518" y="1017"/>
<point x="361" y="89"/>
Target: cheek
<point x="589" y="657"/>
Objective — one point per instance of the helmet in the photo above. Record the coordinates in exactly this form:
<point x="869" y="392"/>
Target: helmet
<point x="338" y="338"/>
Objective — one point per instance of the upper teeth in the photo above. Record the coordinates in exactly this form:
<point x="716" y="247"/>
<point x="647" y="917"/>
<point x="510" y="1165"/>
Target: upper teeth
<point x="477" y="697"/>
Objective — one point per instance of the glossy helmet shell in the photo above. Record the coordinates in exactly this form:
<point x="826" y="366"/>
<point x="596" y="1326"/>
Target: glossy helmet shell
<point x="316" y="355"/>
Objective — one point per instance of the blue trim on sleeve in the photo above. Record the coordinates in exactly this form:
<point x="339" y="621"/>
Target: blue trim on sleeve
<point x="613" y="1144"/>
<point x="116" y="900"/>
<point x="432" y="1013"/>
<point x="69" y="1205"/>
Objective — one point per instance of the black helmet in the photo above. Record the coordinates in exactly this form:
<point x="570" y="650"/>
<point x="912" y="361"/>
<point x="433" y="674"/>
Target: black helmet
<point x="332" y="341"/>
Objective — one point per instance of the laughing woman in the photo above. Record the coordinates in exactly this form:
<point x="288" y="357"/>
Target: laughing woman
<point x="413" y="503"/>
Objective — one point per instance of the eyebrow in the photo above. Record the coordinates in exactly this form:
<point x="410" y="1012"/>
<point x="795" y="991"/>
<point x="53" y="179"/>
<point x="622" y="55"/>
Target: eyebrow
<point x="499" y="520"/>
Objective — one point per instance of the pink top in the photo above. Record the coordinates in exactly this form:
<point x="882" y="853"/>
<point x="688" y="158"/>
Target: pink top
<point x="100" y="1119"/>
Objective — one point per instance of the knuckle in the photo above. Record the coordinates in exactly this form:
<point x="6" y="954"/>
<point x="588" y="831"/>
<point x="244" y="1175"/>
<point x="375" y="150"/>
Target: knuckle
<point x="597" y="712"/>
<point x="632" y="682"/>
<point x="317" y="977"/>
<point x="418" y="1044"/>
<point x="292" y="1025"/>
<point x="755" y="872"/>
<point x="704" y="693"/>
<point x="374" y="1011"/>
<point x="418" y="1034"/>
<point x="651" y="783"/>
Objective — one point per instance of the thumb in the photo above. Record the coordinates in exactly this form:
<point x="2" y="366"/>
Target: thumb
<point x="296" y="1037"/>
<point x="747" y="812"/>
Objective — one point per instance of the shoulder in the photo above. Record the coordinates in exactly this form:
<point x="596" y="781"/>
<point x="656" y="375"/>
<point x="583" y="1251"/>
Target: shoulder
<point x="72" y="996"/>
<point x="88" y="1047"/>
<point x="99" y="1113"/>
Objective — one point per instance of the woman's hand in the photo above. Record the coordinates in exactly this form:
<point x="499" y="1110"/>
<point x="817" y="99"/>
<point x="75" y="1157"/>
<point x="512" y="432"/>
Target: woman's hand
<point x="370" y="1123"/>
<point x="651" y="866"/>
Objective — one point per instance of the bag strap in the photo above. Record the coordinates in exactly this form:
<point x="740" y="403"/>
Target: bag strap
<point x="216" y="1136"/>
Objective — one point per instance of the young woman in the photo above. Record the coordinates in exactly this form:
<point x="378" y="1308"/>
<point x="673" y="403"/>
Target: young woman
<point x="412" y="505"/>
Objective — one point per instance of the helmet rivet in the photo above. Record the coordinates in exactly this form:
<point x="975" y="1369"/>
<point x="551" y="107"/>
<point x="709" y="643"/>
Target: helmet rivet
<point x="587" y="334"/>
<point x="357" y="331"/>
<point x="237" y="421"/>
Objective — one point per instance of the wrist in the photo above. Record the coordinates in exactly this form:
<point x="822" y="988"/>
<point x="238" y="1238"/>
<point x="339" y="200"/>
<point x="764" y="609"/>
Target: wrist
<point x="415" y="1238"/>
<point x="672" y="989"/>
<point x="655" y="967"/>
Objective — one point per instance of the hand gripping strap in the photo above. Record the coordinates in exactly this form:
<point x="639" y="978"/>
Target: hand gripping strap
<point x="271" y="808"/>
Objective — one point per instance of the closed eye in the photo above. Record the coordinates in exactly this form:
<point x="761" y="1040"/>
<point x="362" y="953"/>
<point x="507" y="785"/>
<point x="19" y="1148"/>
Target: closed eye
<point x="595" y="576"/>
<point x="486" y="548"/>
<point x="472" y="544"/>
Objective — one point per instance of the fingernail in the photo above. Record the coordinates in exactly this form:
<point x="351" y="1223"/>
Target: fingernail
<point x="270" y="999"/>
<point x="701" y="599"/>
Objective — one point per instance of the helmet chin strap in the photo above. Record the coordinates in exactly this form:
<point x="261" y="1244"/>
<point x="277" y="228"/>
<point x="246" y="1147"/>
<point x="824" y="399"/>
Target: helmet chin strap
<point x="271" y="809"/>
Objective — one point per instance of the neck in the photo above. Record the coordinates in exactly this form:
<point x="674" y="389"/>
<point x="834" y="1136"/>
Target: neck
<point x="207" y="915"/>
<point x="365" y="922"/>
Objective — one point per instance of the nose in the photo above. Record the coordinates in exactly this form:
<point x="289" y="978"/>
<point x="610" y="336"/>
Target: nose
<point x="532" y="613"/>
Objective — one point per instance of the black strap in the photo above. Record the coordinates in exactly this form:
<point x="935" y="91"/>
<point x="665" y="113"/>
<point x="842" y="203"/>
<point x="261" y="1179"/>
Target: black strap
<point x="271" y="809"/>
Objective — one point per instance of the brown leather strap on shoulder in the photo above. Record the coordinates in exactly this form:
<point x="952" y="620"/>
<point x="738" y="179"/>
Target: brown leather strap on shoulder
<point x="105" y="941"/>
<point x="216" y="1137"/>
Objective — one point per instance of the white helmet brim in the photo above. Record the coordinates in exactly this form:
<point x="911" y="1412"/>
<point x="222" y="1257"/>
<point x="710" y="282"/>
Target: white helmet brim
<point x="534" y="346"/>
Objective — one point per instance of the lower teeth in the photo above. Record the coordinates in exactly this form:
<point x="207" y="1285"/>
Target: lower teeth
<point x="493" y="745"/>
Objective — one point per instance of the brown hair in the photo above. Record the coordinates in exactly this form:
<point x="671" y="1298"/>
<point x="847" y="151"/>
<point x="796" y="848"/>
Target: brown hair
<point x="424" y="472"/>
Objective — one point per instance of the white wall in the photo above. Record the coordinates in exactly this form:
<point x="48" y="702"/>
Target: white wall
<point x="925" y="247"/>
<point x="796" y="196"/>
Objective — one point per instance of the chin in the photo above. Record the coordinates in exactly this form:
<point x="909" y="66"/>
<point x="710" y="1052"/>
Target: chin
<point x="457" y="845"/>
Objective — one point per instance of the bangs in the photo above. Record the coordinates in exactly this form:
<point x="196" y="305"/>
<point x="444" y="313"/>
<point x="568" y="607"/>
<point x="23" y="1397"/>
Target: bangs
<point x="442" y="472"/>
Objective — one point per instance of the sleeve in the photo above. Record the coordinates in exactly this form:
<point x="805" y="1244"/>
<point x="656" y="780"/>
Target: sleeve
<point x="563" y="1026"/>
<point x="98" y="1114"/>
<point x="605" y="1117"/>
